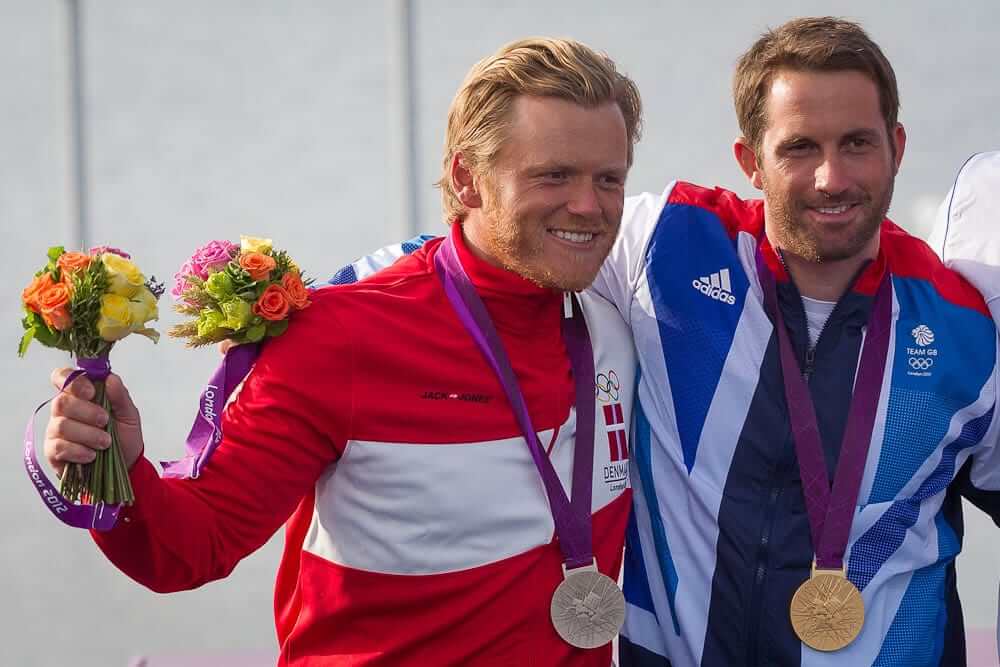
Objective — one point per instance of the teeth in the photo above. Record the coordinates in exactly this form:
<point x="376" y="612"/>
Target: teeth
<point x="833" y="209"/>
<point x="575" y="237"/>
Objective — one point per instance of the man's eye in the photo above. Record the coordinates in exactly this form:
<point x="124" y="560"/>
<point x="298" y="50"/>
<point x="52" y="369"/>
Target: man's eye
<point x="555" y="176"/>
<point x="610" y="181"/>
<point x="858" y="144"/>
<point x="798" y="148"/>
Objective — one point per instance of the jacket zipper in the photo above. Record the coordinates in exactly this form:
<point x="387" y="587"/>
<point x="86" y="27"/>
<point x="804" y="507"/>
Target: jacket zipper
<point x="810" y="361"/>
<point x="778" y="481"/>
<point x="760" y="571"/>
<point x="810" y="364"/>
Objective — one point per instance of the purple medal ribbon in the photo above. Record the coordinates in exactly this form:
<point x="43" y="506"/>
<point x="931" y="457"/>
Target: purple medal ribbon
<point x="206" y="432"/>
<point x="832" y="511"/>
<point x="572" y="516"/>
<point x="98" y="517"/>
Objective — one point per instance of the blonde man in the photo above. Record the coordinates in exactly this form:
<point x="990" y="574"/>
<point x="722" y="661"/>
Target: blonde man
<point x="418" y="506"/>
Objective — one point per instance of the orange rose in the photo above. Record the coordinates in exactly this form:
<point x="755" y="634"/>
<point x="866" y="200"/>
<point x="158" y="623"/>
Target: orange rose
<point x="29" y="297"/>
<point x="53" y="303"/>
<point x="257" y="264"/>
<point x="58" y="318"/>
<point x="71" y="262"/>
<point x="297" y="292"/>
<point x="273" y="304"/>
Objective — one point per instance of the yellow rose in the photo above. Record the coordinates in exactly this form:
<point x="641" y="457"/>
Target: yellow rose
<point x="116" y="317"/>
<point x="254" y="244"/>
<point x="144" y="308"/>
<point x="124" y="277"/>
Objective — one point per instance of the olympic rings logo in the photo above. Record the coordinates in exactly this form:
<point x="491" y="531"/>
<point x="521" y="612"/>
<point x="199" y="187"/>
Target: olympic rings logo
<point x="920" y="363"/>
<point x="608" y="387"/>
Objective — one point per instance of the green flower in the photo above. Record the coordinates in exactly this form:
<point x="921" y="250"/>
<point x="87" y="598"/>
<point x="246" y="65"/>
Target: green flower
<point x="220" y="286"/>
<point x="209" y="321"/>
<point x="236" y="311"/>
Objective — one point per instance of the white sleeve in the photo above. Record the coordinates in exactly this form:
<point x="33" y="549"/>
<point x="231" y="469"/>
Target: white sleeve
<point x="620" y="273"/>
<point x="985" y="471"/>
<point x="966" y="234"/>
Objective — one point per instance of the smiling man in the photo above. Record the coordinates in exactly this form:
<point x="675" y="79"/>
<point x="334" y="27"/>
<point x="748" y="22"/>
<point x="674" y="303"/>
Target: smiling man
<point x="433" y="436"/>
<point x="806" y="429"/>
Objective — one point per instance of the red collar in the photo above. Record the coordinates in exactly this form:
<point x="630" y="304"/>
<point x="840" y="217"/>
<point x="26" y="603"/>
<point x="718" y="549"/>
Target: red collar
<point x="514" y="302"/>
<point x="867" y="283"/>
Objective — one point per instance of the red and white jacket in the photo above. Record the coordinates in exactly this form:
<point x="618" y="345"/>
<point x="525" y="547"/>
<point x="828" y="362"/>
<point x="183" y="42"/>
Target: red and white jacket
<point x="417" y="527"/>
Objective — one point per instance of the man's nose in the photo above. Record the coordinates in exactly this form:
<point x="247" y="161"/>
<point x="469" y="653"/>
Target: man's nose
<point x="583" y="200"/>
<point x="831" y="177"/>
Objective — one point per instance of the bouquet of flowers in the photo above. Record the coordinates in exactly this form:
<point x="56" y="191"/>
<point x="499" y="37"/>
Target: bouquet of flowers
<point x="241" y="293"/>
<point x="84" y="303"/>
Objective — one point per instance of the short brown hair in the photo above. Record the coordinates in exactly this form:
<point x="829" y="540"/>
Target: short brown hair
<point x="825" y="44"/>
<point x="538" y="66"/>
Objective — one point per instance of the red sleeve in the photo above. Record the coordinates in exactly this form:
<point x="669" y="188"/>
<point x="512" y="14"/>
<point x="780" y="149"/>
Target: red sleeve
<point x="289" y="423"/>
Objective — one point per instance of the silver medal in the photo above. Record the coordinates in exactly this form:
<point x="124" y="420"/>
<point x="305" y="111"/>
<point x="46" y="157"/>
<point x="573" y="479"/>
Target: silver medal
<point x="588" y="608"/>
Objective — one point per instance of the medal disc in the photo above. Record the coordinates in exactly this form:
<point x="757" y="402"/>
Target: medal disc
<point x="588" y="608"/>
<point x="827" y="611"/>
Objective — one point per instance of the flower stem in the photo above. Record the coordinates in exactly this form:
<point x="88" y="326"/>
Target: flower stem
<point x="105" y="479"/>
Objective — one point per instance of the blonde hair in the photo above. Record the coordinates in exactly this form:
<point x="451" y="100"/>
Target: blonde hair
<point x="538" y="66"/>
<point x="812" y="44"/>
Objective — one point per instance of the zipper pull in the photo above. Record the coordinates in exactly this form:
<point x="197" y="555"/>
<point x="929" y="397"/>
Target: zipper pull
<point x="810" y="363"/>
<point x="568" y="305"/>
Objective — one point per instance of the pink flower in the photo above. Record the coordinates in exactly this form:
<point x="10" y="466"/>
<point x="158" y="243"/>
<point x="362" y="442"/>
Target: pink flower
<point x="212" y="255"/>
<point x="180" y="280"/>
<point x="101" y="249"/>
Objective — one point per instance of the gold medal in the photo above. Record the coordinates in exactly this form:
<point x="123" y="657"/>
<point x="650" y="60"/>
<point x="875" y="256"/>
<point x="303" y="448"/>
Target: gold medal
<point x="588" y="608"/>
<point x="827" y="610"/>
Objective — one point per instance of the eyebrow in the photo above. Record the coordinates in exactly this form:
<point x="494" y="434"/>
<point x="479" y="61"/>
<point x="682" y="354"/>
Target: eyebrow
<point x="543" y="167"/>
<point x="863" y="133"/>
<point x="546" y="167"/>
<point x="795" y="139"/>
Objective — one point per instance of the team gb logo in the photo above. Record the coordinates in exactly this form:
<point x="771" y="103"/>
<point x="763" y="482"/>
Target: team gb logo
<point x="923" y="335"/>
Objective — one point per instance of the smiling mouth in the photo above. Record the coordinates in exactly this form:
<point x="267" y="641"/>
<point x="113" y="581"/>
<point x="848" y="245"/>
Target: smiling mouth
<point x="573" y="237"/>
<point x="833" y="210"/>
<point x="834" y="214"/>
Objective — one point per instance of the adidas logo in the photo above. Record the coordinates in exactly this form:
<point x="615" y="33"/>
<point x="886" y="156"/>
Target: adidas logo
<point x="716" y="286"/>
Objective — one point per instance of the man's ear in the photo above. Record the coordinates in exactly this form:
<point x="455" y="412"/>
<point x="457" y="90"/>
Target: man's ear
<point x="463" y="182"/>
<point x="746" y="157"/>
<point x="899" y="141"/>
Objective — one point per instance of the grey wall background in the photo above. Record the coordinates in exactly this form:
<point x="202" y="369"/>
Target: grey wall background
<point x="211" y="119"/>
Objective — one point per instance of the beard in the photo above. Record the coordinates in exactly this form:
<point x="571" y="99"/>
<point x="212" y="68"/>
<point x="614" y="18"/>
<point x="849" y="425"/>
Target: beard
<point x="509" y="242"/>
<point x="802" y="237"/>
<point x="518" y="242"/>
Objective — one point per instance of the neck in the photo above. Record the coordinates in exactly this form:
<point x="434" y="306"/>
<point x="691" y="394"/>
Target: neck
<point x="826" y="281"/>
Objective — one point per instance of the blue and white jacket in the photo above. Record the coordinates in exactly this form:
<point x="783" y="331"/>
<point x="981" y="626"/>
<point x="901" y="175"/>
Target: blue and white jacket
<point x="720" y="539"/>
